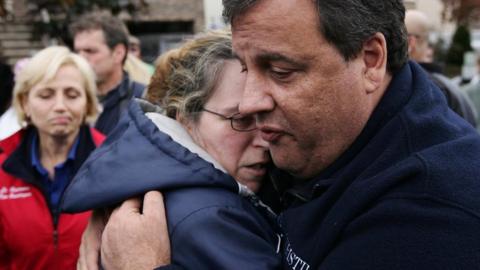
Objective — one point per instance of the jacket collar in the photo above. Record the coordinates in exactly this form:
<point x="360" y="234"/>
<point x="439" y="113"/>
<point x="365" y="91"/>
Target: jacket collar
<point x="118" y="93"/>
<point x="19" y="158"/>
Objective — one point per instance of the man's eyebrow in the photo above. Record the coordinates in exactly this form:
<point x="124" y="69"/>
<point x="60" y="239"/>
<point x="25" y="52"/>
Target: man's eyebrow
<point x="266" y="57"/>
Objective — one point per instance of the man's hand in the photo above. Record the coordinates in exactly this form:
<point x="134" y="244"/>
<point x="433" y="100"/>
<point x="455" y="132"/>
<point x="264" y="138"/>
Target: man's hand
<point x="135" y="240"/>
<point x="90" y="246"/>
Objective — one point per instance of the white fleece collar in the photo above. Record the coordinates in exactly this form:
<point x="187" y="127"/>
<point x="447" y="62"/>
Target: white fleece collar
<point x="178" y="133"/>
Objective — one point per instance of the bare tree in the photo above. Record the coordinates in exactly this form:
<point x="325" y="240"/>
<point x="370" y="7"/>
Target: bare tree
<point x="55" y="15"/>
<point x="462" y="12"/>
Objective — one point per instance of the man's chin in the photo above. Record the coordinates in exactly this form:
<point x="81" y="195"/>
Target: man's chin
<point x="292" y="164"/>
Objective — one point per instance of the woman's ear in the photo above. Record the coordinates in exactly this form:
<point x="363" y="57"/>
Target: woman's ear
<point x="25" y="106"/>
<point x="186" y="123"/>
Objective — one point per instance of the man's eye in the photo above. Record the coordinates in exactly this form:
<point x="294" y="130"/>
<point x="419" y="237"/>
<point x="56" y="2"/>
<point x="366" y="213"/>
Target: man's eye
<point x="281" y="74"/>
<point x="89" y="51"/>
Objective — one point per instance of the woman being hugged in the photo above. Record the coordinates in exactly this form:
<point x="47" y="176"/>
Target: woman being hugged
<point x="55" y="99"/>
<point x="206" y="157"/>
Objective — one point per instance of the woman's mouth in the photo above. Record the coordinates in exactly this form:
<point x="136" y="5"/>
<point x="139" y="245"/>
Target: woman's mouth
<point x="61" y="120"/>
<point x="257" y="169"/>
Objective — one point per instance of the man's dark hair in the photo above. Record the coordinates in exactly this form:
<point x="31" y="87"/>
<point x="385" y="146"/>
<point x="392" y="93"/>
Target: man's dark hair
<point x="114" y="30"/>
<point x="348" y="24"/>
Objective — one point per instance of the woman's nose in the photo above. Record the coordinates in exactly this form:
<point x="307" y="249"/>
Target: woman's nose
<point x="59" y="103"/>
<point x="258" y="141"/>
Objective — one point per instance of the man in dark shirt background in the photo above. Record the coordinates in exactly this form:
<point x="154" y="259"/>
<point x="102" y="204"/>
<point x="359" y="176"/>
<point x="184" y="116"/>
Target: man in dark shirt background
<point x="103" y="40"/>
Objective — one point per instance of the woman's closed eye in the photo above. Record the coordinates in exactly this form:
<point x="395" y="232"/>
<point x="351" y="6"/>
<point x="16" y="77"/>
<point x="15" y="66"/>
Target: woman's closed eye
<point x="72" y="93"/>
<point x="243" y="122"/>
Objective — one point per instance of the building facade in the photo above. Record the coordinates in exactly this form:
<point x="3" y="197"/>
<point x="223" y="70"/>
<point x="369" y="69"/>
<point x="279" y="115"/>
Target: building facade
<point x="161" y="25"/>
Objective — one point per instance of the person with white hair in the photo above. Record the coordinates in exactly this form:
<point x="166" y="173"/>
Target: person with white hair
<point x="418" y="28"/>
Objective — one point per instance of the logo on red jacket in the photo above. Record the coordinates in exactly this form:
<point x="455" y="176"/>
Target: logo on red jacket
<point x="14" y="193"/>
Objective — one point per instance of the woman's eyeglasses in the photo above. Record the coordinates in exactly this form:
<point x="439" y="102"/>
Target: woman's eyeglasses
<point x="238" y="121"/>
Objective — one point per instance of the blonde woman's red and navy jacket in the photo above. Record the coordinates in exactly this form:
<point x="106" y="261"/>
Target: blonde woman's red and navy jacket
<point x="34" y="235"/>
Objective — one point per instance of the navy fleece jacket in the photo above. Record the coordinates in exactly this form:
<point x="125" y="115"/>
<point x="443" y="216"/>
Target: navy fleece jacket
<point x="405" y="195"/>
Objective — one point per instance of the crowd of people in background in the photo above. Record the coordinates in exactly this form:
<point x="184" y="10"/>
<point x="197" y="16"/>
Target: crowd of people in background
<point x="318" y="141"/>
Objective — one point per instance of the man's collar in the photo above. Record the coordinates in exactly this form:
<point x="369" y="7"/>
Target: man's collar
<point x="117" y="93"/>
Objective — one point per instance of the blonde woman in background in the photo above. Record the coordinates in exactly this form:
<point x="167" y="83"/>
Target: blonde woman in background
<point x="55" y="99"/>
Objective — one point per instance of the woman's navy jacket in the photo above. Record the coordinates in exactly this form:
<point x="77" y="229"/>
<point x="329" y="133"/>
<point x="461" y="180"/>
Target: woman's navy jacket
<point x="213" y="222"/>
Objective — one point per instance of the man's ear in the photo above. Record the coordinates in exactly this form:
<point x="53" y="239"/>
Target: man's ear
<point x="119" y="52"/>
<point x="374" y="55"/>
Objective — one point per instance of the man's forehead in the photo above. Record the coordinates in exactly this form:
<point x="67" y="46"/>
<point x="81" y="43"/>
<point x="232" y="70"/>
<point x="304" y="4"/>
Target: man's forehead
<point x="253" y="39"/>
<point x="269" y="50"/>
<point x="259" y="28"/>
<point x="91" y="34"/>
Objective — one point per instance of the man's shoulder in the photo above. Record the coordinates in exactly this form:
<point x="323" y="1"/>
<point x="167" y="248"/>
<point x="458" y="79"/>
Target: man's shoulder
<point x="131" y="88"/>
<point x="452" y="168"/>
<point x="138" y="89"/>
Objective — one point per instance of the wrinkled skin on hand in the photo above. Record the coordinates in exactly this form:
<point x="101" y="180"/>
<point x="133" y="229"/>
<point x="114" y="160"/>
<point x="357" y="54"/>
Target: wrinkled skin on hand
<point x="136" y="237"/>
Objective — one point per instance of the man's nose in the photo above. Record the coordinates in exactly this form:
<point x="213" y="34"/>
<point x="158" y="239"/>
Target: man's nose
<point x="256" y="97"/>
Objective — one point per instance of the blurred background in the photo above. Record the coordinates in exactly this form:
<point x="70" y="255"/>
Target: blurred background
<point x="454" y="35"/>
<point x="29" y="25"/>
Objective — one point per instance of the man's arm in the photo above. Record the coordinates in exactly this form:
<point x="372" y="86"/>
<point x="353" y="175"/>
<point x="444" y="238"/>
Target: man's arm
<point x="133" y="239"/>
<point x="409" y="234"/>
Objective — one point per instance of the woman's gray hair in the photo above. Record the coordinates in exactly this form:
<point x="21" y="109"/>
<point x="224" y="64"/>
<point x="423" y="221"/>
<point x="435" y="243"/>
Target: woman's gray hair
<point x="185" y="78"/>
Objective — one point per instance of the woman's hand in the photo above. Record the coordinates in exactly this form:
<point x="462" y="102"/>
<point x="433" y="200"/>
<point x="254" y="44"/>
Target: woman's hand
<point x="91" y="240"/>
